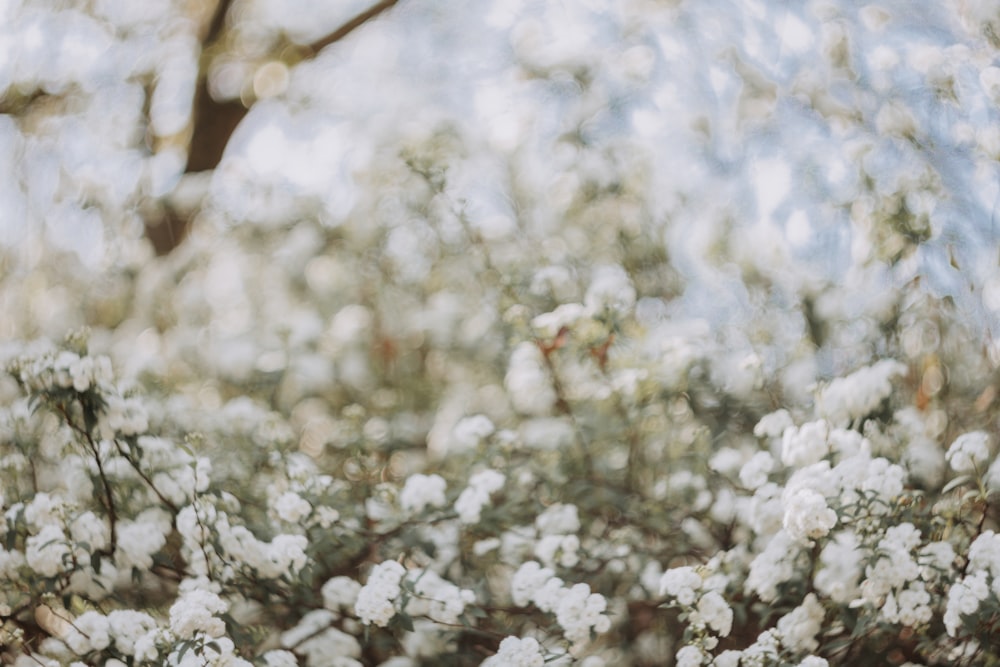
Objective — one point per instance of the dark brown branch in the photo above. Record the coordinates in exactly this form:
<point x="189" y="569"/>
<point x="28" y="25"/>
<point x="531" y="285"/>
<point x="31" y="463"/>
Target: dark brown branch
<point x="213" y="122"/>
<point x="352" y="25"/>
<point x="109" y="500"/>
<point x="217" y="23"/>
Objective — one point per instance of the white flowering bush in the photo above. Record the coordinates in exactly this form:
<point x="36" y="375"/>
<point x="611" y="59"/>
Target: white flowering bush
<point x="550" y="346"/>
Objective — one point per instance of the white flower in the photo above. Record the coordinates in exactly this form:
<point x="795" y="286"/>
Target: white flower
<point x="88" y="632"/>
<point x="127" y="626"/>
<point x="766" y="509"/>
<point x="47" y="553"/>
<point x="550" y="595"/>
<point x="984" y="553"/>
<point x="763" y="652"/>
<point x="840" y="568"/>
<point x="436" y="598"/>
<point x="44" y="509"/>
<point x="10" y="562"/>
<point x="895" y="568"/>
<point x="476" y="496"/>
<point x="469" y="432"/>
<point x="483" y="547"/>
<point x="716" y="613"/>
<point x="728" y="658"/>
<point x="846" y="442"/>
<point x="88" y="371"/>
<point x="340" y="593"/>
<point x="910" y="608"/>
<point x="558" y="519"/>
<point x="884" y="478"/>
<point x="807" y="515"/>
<point x="813" y="661"/>
<point x="753" y="474"/>
<point x="527" y="381"/>
<point x="291" y="507"/>
<point x="528" y="579"/>
<point x="146" y="644"/>
<point x="581" y="612"/>
<point x="561" y="549"/>
<point x="689" y="656"/>
<point x="681" y="583"/>
<point x="555" y="281"/>
<point x="194" y="612"/>
<point x="376" y="599"/>
<point x="963" y="600"/>
<point x="422" y="491"/>
<point x="285" y="553"/>
<point x="610" y="290"/>
<point x="904" y="537"/>
<point x="320" y="644"/>
<point x="806" y="444"/>
<point x="88" y="528"/>
<point x="773" y="566"/>
<point x="773" y="425"/>
<point x="487" y="480"/>
<point x="515" y="652"/>
<point x="969" y="452"/>
<point x="280" y="658"/>
<point x="938" y="557"/>
<point x="126" y="416"/>
<point x="138" y="540"/>
<point x="859" y="394"/>
<point x="549" y="324"/>
<point x="799" y="627"/>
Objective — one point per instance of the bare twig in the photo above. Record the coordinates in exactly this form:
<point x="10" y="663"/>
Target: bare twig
<point x="109" y="500"/>
<point x="352" y="25"/>
<point x="135" y="466"/>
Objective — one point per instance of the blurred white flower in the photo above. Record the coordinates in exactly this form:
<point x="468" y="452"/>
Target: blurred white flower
<point x="806" y="444"/>
<point x="422" y="491"/>
<point x="376" y="599"/>
<point x="754" y="472"/>
<point x="527" y="382"/>
<point x="516" y="652"/>
<point x="610" y="290"/>
<point x="969" y="452"/>
<point x="476" y="496"/>
<point x="807" y="516"/>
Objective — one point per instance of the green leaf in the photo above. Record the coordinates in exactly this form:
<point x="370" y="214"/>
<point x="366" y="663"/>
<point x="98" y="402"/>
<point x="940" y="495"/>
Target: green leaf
<point x="185" y="647"/>
<point x="958" y="481"/>
<point x="403" y="622"/>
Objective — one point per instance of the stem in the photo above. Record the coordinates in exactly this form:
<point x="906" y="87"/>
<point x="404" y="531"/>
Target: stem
<point x="135" y="466"/>
<point x="633" y="465"/>
<point x="352" y="25"/>
<point x="109" y="501"/>
<point x="565" y="409"/>
<point x="201" y="543"/>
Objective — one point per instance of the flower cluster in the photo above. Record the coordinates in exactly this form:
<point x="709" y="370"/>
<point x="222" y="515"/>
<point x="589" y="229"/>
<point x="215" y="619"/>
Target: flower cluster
<point x="377" y="598"/>
<point x="578" y="610"/>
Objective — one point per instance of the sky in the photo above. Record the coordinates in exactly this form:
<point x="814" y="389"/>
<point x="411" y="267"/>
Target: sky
<point x="783" y="134"/>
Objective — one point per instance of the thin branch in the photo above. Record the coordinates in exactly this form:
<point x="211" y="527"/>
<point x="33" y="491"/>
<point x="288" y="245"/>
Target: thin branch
<point x="217" y="23"/>
<point x="563" y="406"/>
<point x="135" y="466"/>
<point x="109" y="500"/>
<point x="214" y="122"/>
<point x="352" y="25"/>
